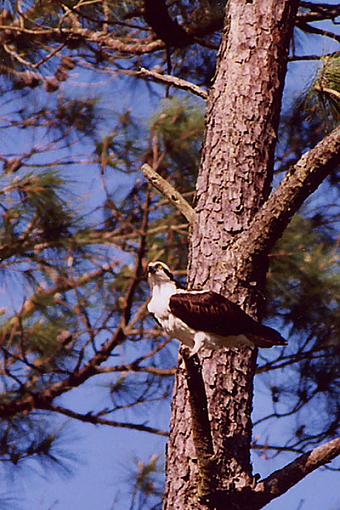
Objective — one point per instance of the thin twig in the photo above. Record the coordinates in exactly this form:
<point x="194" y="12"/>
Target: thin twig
<point x="330" y="92"/>
<point x="305" y="27"/>
<point x="96" y="420"/>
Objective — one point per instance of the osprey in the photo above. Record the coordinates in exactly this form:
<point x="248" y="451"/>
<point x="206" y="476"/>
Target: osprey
<point x="203" y="318"/>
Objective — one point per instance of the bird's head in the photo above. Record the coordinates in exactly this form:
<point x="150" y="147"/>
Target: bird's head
<point x="159" y="273"/>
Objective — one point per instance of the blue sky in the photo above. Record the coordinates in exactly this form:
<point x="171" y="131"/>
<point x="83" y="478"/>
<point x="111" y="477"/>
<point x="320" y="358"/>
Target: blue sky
<point x="104" y="458"/>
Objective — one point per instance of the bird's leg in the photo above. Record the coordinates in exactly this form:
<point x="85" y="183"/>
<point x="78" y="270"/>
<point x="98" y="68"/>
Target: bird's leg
<point x="198" y="343"/>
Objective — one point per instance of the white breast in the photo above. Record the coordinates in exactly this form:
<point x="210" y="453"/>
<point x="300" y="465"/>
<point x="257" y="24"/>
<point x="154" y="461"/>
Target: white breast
<point x="159" y="304"/>
<point x="159" y="307"/>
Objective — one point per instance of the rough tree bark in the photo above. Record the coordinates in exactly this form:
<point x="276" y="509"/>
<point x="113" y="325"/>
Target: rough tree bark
<point x="233" y="183"/>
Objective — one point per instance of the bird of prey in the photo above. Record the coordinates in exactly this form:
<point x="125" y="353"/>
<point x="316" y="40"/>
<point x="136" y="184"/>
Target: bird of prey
<point x="203" y="318"/>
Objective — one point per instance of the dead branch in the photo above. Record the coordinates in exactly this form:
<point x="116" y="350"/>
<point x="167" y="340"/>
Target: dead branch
<point x="161" y="372"/>
<point x="169" y="80"/>
<point x="283" y="479"/>
<point x="318" y="12"/>
<point x="200" y="426"/>
<point x="174" y="197"/>
<point x="318" y="31"/>
<point x="97" y="420"/>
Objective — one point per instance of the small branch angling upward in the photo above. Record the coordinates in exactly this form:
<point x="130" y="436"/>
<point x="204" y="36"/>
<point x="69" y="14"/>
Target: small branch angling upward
<point x="169" y="192"/>
<point x="283" y="479"/>
<point x="168" y="79"/>
<point x="300" y="182"/>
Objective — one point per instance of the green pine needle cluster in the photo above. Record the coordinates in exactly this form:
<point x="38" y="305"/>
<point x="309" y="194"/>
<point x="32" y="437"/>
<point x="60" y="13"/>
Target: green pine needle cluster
<point x="304" y="284"/>
<point x="179" y="127"/>
<point x="32" y="438"/>
<point x="323" y="97"/>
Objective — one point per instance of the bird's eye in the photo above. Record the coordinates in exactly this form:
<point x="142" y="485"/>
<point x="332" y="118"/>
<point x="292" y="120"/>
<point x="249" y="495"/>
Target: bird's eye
<point x="159" y="266"/>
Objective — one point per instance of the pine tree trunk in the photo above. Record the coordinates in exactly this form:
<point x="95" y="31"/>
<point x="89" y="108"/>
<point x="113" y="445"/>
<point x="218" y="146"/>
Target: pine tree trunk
<point x="233" y="182"/>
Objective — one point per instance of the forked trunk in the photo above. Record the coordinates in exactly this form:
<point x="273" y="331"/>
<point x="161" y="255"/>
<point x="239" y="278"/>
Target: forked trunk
<point x="234" y="181"/>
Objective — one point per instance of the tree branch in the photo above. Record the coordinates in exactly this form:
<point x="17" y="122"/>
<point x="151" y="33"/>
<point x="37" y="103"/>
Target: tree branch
<point x="97" y="420"/>
<point x="330" y="92"/>
<point x="301" y="181"/>
<point x="162" y="372"/>
<point x="305" y="27"/>
<point x="169" y="80"/>
<point x="200" y="427"/>
<point x="299" y="58"/>
<point x="283" y="479"/>
<point x="136" y="47"/>
<point x="169" y="192"/>
<point x="318" y="12"/>
<point x="85" y="237"/>
<point x="317" y="6"/>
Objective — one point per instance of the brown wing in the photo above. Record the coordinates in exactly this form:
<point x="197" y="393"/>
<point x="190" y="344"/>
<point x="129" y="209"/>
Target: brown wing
<point x="213" y="313"/>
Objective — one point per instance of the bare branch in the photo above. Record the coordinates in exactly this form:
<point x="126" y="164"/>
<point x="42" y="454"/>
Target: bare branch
<point x="318" y="12"/>
<point x="137" y="48"/>
<point x="300" y="182"/>
<point x="317" y="31"/>
<point x="298" y="58"/>
<point x="162" y="372"/>
<point x="283" y="479"/>
<point x="97" y="420"/>
<point x="135" y="365"/>
<point x="330" y="92"/>
<point x="169" y="80"/>
<point x="169" y="192"/>
<point x="200" y="426"/>
<point x="319" y="6"/>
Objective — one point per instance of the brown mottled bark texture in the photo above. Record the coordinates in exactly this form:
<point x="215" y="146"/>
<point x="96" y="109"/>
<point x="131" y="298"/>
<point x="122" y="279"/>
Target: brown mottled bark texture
<point x="233" y="183"/>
